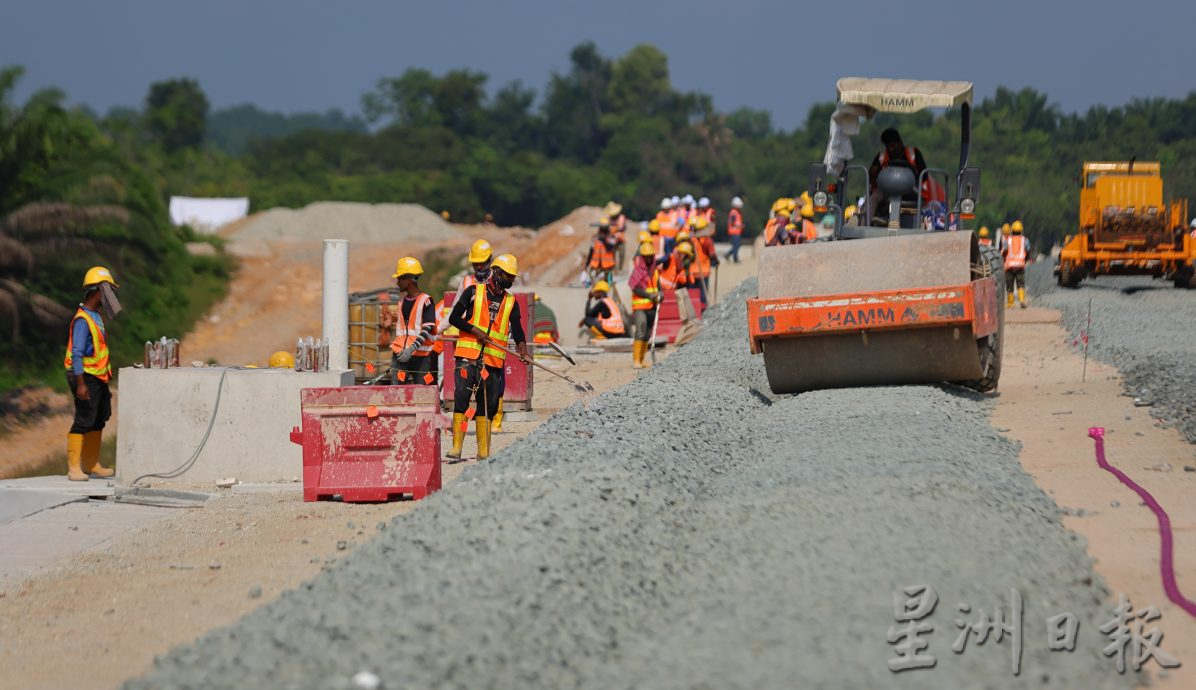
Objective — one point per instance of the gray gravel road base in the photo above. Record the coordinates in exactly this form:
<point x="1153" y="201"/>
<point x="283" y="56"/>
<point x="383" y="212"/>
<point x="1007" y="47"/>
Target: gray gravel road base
<point x="691" y="530"/>
<point x="1144" y="327"/>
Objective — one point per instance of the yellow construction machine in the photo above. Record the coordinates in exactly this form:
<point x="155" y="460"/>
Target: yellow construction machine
<point x="1126" y="228"/>
<point x="884" y="299"/>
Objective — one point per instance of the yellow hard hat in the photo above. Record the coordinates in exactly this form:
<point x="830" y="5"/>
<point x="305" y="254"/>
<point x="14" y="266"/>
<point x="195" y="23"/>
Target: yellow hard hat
<point x="408" y="266"/>
<point x="700" y="223"/>
<point x="807" y="210"/>
<point x="601" y="286"/>
<point x="654" y="226"/>
<point x="805" y="197"/>
<point x="1005" y="228"/>
<point x="97" y="275"/>
<point x="1017" y="227"/>
<point x="686" y="248"/>
<point x="683" y="235"/>
<point x="778" y="205"/>
<point x="644" y="236"/>
<point x="282" y="360"/>
<point x="647" y="249"/>
<point x="850" y="211"/>
<point x="445" y="215"/>
<point x="507" y="264"/>
<point x="984" y="231"/>
<point x="480" y="252"/>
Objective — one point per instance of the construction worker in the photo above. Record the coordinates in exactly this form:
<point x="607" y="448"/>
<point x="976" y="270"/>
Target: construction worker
<point x="488" y="319"/>
<point x="480" y="254"/>
<point x="735" y="228"/>
<point x="601" y="258"/>
<point x="657" y="237"/>
<point x="645" y="296"/>
<point x="705" y="256"/>
<point x="895" y="152"/>
<point x="603" y="318"/>
<point x="775" y="230"/>
<point x="807" y="230"/>
<point x="88" y="371"/>
<point x="413" y="356"/>
<point x="983" y="236"/>
<point x="706" y="211"/>
<point x="1016" y="255"/>
<point x="618" y="226"/>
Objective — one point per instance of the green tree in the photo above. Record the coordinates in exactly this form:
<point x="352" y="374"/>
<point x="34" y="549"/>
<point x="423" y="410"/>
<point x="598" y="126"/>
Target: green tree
<point x="176" y="114"/>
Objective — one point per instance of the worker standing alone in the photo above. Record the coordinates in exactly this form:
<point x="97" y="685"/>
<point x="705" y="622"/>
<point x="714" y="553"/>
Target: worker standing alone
<point x="488" y="319"/>
<point x="601" y="259"/>
<point x="735" y="228"/>
<point x="88" y="371"/>
<point x="645" y="296"/>
<point x="1016" y="254"/>
<point x="413" y="357"/>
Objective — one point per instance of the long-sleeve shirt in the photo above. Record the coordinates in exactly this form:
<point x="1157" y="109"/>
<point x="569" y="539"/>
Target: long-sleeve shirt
<point x="463" y="309"/>
<point x="641" y="276"/>
<point x="81" y="344"/>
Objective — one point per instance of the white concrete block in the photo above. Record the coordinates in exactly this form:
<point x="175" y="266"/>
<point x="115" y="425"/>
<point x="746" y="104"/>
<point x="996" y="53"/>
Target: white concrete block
<point x="164" y="413"/>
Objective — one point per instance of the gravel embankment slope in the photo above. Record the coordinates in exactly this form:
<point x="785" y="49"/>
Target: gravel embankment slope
<point x="692" y="530"/>
<point x="1144" y="327"/>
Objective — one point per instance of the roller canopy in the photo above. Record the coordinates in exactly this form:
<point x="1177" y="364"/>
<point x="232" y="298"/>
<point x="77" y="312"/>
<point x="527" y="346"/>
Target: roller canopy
<point x="903" y="95"/>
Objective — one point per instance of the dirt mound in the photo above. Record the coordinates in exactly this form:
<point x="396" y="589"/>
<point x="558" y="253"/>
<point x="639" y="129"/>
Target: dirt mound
<point x="359" y="223"/>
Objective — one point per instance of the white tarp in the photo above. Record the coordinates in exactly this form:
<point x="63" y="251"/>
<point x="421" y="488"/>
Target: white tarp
<point x="206" y="215"/>
<point x="845" y="124"/>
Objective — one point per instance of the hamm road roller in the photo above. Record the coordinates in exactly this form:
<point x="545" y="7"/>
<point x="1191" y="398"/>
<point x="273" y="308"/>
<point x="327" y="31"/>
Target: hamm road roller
<point x="903" y="292"/>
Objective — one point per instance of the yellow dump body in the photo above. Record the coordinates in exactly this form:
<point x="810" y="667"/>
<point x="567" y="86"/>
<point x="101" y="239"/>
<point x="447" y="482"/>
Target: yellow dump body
<point x="1126" y="227"/>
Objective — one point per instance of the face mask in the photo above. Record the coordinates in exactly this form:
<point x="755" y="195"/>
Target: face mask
<point x="481" y="273"/>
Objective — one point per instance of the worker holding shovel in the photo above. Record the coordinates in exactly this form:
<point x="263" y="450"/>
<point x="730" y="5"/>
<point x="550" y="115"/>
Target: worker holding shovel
<point x="645" y="297"/>
<point x="488" y="319"/>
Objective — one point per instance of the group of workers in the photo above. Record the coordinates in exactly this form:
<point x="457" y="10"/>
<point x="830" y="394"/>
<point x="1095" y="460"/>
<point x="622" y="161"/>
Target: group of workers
<point x="1015" y="249"/>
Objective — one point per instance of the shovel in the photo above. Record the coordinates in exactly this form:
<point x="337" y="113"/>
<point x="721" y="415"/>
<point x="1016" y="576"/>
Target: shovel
<point x="583" y="387"/>
<point x="561" y="351"/>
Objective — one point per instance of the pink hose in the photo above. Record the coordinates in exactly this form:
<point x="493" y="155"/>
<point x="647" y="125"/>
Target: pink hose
<point x="1166" y="560"/>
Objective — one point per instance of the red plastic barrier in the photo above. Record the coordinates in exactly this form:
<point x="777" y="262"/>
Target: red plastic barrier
<point x="518" y="394"/>
<point x="670" y="317"/>
<point x="370" y="443"/>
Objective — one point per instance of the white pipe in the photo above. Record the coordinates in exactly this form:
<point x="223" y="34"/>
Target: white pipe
<point x="336" y="303"/>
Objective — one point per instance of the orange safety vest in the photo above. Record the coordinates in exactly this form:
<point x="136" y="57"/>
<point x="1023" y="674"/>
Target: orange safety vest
<point x="809" y="230"/>
<point x="643" y="303"/>
<point x="734" y="222"/>
<point x="931" y="189"/>
<point x="619" y="226"/>
<point x="97" y="364"/>
<point x="602" y="258"/>
<point x="406" y="333"/>
<point x="701" y="263"/>
<point x="442" y="314"/>
<point x="469" y="347"/>
<point x="669" y="226"/>
<point x="674" y="275"/>
<point x="774" y="229"/>
<point x="614" y="322"/>
<point x="1016" y="254"/>
<point x="986" y="241"/>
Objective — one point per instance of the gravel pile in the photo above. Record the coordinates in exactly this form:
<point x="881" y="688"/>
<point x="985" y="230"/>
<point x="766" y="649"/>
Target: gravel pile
<point x="1144" y="327"/>
<point x="349" y="221"/>
<point x="691" y="530"/>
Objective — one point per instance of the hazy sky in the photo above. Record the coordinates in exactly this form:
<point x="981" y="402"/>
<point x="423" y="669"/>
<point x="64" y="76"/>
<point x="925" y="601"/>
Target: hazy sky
<point x="780" y="56"/>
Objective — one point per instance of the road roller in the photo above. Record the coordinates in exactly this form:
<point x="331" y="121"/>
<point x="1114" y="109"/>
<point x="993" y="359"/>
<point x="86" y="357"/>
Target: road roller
<point x="902" y="292"/>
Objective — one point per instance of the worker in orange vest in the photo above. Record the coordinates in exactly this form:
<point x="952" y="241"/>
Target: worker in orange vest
<point x="983" y="236"/>
<point x="603" y="318"/>
<point x="776" y="230"/>
<point x="601" y="259"/>
<point x="489" y="321"/>
<point x="645" y="297"/>
<point x="88" y="370"/>
<point x="735" y="228"/>
<point x="415" y="328"/>
<point x="618" y="226"/>
<point x="1017" y="254"/>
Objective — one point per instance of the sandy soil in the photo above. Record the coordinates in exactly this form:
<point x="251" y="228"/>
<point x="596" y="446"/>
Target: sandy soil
<point x="1044" y="405"/>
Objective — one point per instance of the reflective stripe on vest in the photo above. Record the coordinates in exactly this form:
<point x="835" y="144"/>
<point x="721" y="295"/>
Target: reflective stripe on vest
<point x="734" y="222"/>
<point x="986" y="241"/>
<point x="97" y="364"/>
<point x="614" y="322"/>
<point x="602" y="259"/>
<point x="468" y="345"/>
<point x="674" y="275"/>
<point x="1016" y="258"/>
<point x="405" y="334"/>
<point x="644" y="303"/>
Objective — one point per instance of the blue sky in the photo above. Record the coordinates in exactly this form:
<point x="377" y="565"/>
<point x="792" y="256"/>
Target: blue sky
<point x="779" y="56"/>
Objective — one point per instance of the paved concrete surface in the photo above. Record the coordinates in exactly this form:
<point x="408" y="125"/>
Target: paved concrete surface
<point x="94" y="488"/>
<point x="43" y="539"/>
<point x="16" y="504"/>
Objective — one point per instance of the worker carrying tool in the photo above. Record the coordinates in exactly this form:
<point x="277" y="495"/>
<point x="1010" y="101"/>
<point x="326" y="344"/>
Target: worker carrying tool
<point x="1017" y="254"/>
<point x="488" y="319"/>
<point x="735" y="228"/>
<point x="603" y="317"/>
<point x="88" y="371"/>
<point x="645" y="296"/>
<point x="413" y="354"/>
<point x="479" y="257"/>
<point x="600" y="261"/>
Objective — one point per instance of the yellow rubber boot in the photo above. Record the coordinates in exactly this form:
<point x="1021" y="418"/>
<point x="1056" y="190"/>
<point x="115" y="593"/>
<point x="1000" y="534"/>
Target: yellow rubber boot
<point x="91" y="456"/>
<point x="458" y="435"/>
<point x="637" y="354"/>
<point x="1010" y="299"/>
<point x="74" y="458"/>
<point x="482" y="427"/>
<point x="1021" y="297"/>
<point x="644" y="347"/>
<point x="496" y="423"/>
